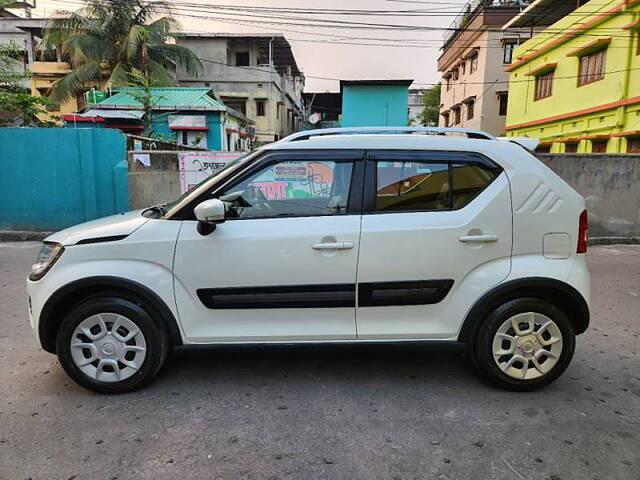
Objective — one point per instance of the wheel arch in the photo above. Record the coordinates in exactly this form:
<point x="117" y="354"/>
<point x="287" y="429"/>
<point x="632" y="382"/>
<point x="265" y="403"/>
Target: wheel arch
<point x="559" y="293"/>
<point x="69" y="295"/>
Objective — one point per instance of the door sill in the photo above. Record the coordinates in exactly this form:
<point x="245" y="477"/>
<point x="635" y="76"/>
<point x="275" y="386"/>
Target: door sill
<point x="451" y="342"/>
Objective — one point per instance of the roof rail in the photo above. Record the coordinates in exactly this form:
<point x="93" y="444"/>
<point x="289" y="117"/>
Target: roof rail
<point x="307" y="134"/>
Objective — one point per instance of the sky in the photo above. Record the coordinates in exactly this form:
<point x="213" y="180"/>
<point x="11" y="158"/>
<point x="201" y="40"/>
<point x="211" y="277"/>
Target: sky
<point x="387" y="54"/>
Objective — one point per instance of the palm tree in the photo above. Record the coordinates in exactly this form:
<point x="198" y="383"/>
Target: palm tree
<point x="108" y="39"/>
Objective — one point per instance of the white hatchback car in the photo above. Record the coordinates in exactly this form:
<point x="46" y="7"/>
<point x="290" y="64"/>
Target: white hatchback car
<point x="338" y="235"/>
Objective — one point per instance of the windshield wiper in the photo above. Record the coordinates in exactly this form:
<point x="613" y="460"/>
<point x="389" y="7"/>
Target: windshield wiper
<point x="160" y="209"/>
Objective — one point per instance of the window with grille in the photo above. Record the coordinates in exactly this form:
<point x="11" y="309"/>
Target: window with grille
<point x="470" y="107"/>
<point x="571" y="147"/>
<point x="473" y="66"/>
<point x="502" y="108"/>
<point x="260" y="108"/>
<point x="507" y="55"/>
<point x="592" y="67"/>
<point x="543" y="149"/>
<point x="456" y="115"/>
<point x="544" y="85"/>
<point x="599" y="146"/>
<point x="242" y="59"/>
<point x="239" y="105"/>
<point x="633" y="145"/>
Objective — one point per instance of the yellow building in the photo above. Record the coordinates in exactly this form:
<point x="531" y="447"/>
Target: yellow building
<point x="44" y="75"/>
<point x="576" y="85"/>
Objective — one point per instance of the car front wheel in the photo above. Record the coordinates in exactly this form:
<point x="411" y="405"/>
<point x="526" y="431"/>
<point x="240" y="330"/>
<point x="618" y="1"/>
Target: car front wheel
<point x="524" y="344"/>
<point x="111" y="345"/>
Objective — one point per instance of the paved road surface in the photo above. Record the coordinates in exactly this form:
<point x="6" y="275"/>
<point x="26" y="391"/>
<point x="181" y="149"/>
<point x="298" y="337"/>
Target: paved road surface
<point x="329" y="413"/>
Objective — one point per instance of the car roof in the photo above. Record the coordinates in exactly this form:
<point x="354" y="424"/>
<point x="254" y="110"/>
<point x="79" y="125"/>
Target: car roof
<point x="386" y="141"/>
<point x="509" y="154"/>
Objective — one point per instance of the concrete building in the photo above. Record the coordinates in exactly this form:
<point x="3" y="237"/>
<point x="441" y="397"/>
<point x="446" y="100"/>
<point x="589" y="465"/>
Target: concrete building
<point x="188" y="116"/>
<point x="576" y="86"/>
<point x="45" y="74"/>
<point x="416" y="105"/>
<point x="478" y="50"/>
<point x="25" y="34"/>
<point x="474" y="83"/>
<point x="323" y="109"/>
<point x="375" y="103"/>
<point x="255" y="74"/>
<point x="41" y="74"/>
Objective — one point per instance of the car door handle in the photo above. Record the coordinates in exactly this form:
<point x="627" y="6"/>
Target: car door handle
<point x="332" y="246"/>
<point x="478" y="238"/>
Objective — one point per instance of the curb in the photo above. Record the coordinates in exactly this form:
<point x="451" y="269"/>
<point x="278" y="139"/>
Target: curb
<point x="614" y="241"/>
<point x="22" y="236"/>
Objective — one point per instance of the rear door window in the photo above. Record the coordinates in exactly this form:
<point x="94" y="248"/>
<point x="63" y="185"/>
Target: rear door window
<point x="412" y="186"/>
<point x="410" y="181"/>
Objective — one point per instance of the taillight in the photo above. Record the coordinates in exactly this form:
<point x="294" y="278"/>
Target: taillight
<point x="582" y="233"/>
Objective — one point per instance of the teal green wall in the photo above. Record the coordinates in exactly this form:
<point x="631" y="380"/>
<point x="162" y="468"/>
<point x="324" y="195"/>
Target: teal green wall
<point x="57" y="177"/>
<point x="160" y="123"/>
<point x="375" y="105"/>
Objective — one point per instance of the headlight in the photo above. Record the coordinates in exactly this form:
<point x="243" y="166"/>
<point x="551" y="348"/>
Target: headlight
<point x="48" y="255"/>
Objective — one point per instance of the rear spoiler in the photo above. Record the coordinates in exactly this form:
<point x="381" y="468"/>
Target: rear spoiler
<point x="526" y="142"/>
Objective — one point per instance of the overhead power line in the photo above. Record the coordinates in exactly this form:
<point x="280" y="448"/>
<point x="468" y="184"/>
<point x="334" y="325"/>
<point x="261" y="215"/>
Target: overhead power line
<point x="334" y="24"/>
<point x="334" y="38"/>
<point x="494" y="82"/>
<point x="277" y="20"/>
<point x="438" y="11"/>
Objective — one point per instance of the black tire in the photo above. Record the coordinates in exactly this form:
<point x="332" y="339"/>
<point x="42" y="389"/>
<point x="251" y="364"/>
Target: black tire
<point x="156" y="338"/>
<point x="482" y="352"/>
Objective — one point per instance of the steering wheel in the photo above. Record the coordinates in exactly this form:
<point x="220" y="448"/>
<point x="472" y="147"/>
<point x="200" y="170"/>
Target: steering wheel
<point x="258" y="200"/>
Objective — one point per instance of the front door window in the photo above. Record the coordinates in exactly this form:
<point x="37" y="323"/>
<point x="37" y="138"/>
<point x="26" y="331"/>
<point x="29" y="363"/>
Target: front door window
<point x="291" y="189"/>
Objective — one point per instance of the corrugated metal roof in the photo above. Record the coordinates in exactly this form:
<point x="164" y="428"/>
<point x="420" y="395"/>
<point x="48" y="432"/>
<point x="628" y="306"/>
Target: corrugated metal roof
<point x="166" y="97"/>
<point x="129" y="114"/>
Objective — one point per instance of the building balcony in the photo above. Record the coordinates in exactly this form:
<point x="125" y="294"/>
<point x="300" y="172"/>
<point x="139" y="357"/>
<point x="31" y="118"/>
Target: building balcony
<point x="50" y="68"/>
<point x="489" y="10"/>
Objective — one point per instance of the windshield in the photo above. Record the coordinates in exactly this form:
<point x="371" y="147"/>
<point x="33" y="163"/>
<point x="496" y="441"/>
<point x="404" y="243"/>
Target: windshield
<point x="171" y="207"/>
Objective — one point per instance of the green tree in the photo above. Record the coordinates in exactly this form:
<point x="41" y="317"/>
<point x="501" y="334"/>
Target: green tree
<point x="17" y="106"/>
<point x="144" y="94"/>
<point x="7" y="4"/>
<point x="430" y="114"/>
<point x="108" y="39"/>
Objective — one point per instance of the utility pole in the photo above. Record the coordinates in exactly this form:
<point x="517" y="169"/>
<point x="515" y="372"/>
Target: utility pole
<point x="269" y="107"/>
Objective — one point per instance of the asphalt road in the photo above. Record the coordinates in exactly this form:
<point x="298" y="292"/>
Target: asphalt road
<point x="375" y="412"/>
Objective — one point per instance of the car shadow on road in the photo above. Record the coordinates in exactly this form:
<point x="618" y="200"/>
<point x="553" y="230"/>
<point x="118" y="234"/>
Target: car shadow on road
<point x="446" y="365"/>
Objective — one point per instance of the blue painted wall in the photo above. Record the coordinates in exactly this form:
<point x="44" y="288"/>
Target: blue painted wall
<point x="160" y="123"/>
<point x="53" y="178"/>
<point x="375" y="105"/>
<point x="215" y="140"/>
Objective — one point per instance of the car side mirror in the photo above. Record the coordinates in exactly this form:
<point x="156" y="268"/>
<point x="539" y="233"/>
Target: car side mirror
<point x="209" y="214"/>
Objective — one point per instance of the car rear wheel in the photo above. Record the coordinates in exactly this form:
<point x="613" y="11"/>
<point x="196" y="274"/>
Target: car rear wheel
<point x="524" y="344"/>
<point x="111" y="345"/>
